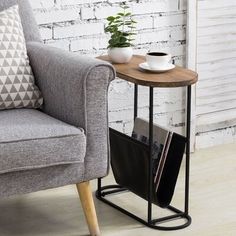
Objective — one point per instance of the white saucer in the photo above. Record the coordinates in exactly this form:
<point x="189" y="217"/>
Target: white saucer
<point x="145" y="66"/>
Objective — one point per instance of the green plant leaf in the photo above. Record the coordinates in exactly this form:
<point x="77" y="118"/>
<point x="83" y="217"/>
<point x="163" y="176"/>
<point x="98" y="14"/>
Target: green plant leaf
<point x="132" y="34"/>
<point x="126" y="34"/>
<point x="110" y="18"/>
<point x="123" y="39"/>
<point x="121" y="27"/>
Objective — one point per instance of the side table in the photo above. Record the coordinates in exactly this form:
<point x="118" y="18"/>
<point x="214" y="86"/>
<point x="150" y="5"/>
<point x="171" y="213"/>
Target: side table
<point x="178" y="77"/>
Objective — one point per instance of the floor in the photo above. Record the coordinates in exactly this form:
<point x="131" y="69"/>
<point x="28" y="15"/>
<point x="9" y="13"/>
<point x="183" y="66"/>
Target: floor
<point x="58" y="212"/>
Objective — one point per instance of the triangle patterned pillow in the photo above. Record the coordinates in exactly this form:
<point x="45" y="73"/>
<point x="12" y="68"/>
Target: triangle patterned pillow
<point x="17" y="88"/>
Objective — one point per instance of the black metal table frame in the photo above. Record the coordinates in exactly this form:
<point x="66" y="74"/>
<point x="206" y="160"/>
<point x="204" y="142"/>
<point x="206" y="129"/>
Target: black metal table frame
<point x="110" y="189"/>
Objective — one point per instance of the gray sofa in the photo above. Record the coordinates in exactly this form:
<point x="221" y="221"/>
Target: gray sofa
<point x="67" y="141"/>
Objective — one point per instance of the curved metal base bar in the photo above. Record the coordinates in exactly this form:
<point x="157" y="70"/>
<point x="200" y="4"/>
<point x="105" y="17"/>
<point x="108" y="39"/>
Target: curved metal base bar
<point x="102" y="192"/>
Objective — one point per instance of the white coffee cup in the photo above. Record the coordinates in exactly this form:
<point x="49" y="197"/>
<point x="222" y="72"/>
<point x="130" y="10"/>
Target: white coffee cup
<point x="157" y="60"/>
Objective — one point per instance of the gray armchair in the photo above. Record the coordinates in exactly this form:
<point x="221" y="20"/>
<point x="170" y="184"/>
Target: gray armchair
<point x="67" y="141"/>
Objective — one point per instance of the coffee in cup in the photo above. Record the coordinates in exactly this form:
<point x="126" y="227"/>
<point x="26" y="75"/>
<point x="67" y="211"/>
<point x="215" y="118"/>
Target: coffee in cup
<point x="157" y="60"/>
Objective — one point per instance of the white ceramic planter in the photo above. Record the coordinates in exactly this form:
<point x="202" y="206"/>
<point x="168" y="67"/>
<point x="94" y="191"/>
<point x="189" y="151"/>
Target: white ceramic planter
<point x="120" y="55"/>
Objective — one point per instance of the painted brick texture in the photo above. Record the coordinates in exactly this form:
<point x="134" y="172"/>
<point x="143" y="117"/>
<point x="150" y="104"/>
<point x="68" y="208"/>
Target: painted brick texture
<point x="78" y="26"/>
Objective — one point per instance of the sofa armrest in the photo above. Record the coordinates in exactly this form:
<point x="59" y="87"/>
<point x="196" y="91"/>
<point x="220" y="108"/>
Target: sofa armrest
<point x="75" y="91"/>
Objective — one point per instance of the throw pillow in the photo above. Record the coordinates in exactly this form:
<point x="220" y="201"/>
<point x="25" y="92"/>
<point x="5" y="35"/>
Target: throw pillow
<point x="17" y="88"/>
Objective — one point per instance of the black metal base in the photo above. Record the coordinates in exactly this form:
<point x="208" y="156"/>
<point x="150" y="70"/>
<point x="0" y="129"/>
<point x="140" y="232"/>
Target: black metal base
<point x="111" y="189"/>
<point x="177" y="214"/>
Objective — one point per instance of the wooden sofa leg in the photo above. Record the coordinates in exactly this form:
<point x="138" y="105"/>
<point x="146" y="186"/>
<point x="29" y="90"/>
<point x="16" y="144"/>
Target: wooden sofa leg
<point x="86" y="199"/>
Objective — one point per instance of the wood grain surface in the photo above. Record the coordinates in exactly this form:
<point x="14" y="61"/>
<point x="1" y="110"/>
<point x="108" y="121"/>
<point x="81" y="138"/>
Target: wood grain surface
<point x="177" y="77"/>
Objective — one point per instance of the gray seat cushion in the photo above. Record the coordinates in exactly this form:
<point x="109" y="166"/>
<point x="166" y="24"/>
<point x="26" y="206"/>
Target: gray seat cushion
<point x="30" y="139"/>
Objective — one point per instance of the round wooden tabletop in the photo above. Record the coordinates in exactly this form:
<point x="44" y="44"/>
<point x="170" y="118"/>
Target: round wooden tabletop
<point x="177" y="77"/>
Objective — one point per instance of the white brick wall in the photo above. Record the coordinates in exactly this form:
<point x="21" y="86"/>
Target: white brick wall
<point x="78" y="26"/>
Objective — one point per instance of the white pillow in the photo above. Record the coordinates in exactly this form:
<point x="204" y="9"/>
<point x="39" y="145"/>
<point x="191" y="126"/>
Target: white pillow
<point x="17" y="88"/>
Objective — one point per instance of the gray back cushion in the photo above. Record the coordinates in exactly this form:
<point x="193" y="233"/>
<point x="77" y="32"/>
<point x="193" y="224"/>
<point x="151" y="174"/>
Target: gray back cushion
<point x="30" y="27"/>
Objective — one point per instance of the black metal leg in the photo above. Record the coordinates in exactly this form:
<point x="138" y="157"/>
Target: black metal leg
<point x="150" y="179"/>
<point x="188" y="133"/>
<point x="135" y="101"/>
<point x="99" y="186"/>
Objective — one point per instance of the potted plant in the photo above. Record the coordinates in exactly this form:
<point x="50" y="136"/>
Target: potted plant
<point x="121" y="27"/>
